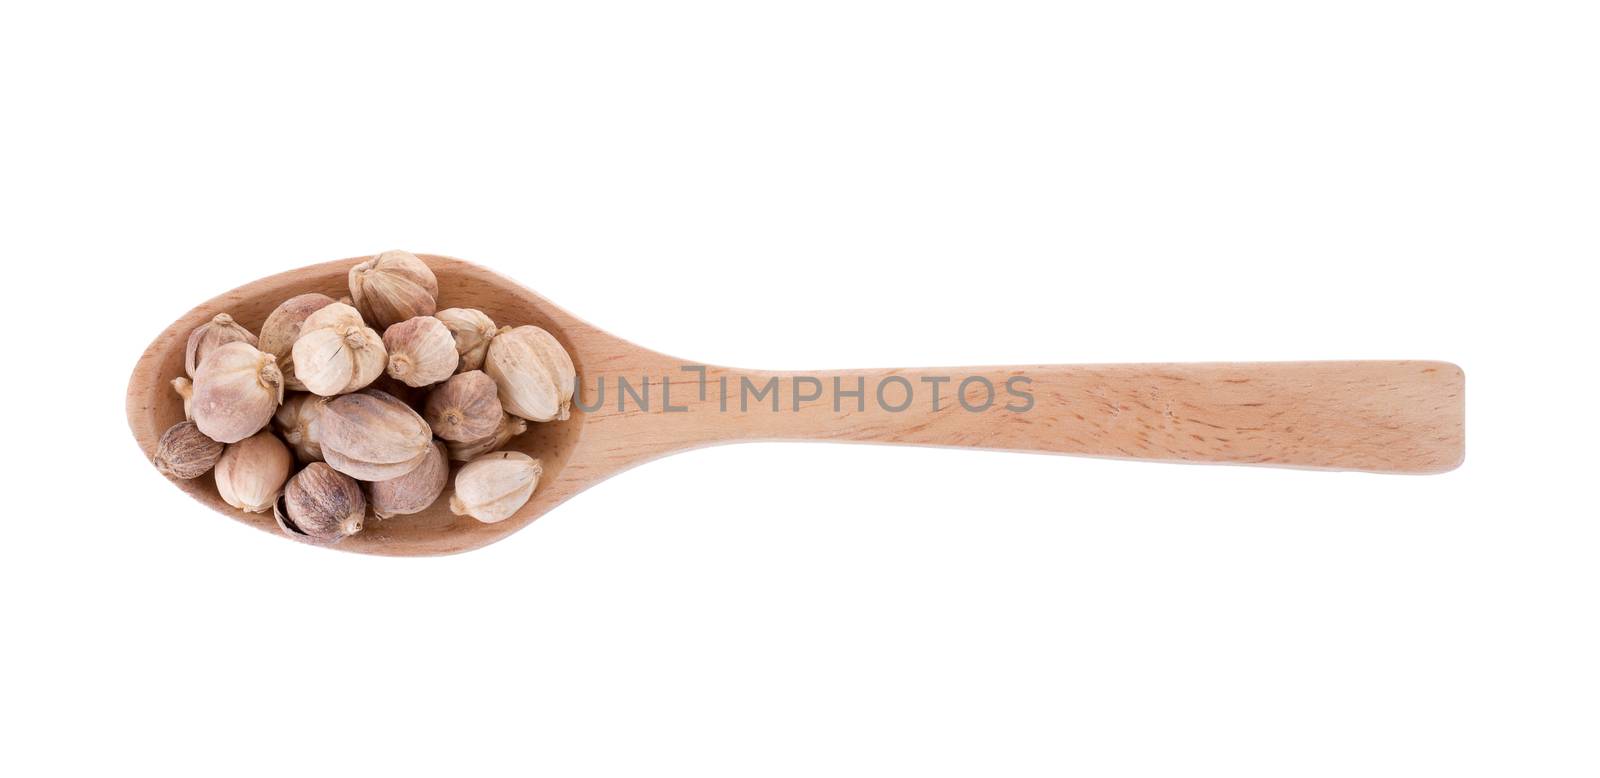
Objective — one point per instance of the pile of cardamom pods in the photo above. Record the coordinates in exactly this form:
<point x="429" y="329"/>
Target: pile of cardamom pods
<point x="320" y="390"/>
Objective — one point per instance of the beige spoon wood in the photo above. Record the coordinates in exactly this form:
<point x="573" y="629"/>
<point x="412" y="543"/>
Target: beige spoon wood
<point x="1387" y="417"/>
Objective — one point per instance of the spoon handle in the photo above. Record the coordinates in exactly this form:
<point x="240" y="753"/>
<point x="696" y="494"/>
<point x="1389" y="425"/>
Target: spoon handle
<point x="1377" y="416"/>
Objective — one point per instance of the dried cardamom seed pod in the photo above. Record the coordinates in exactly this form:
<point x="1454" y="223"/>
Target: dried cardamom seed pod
<point x="421" y="351"/>
<point x="221" y="330"/>
<point x="185" y="452"/>
<point x="510" y="427"/>
<point x="534" y="373"/>
<point x="494" y="486"/>
<point x="392" y="287"/>
<point x="415" y="490"/>
<point x="250" y="472"/>
<point x="185" y="389"/>
<point x="282" y="328"/>
<point x="323" y="504"/>
<point x="464" y="408"/>
<point x="293" y="422"/>
<point x="371" y="436"/>
<point x="236" y="391"/>
<point x="472" y="329"/>
<point x="336" y="352"/>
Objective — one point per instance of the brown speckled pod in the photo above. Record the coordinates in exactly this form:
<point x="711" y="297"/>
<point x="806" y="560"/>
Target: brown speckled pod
<point x="323" y="504"/>
<point x="185" y="452"/>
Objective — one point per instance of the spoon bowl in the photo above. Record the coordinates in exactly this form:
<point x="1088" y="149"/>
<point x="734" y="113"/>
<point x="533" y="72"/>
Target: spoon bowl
<point x="153" y="406"/>
<point x="634" y="405"/>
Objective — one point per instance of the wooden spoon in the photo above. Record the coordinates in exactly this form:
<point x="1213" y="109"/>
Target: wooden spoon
<point x="1390" y="417"/>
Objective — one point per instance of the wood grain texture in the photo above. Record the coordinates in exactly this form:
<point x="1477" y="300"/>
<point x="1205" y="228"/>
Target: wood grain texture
<point x="1391" y="417"/>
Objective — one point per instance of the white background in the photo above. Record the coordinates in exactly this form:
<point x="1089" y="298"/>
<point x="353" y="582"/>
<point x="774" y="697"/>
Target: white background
<point x="814" y="185"/>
